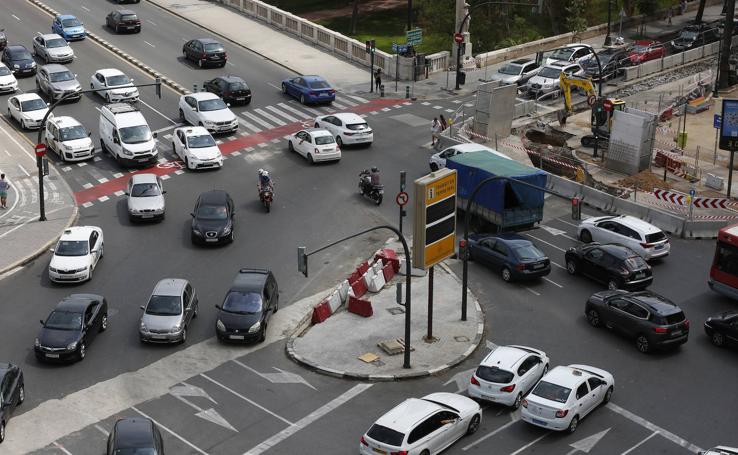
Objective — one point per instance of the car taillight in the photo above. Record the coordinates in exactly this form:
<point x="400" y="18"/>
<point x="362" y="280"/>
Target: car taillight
<point x="647" y="245"/>
<point x="313" y="94"/>
<point x="474" y="381"/>
<point x="686" y="323"/>
<point x="508" y="388"/>
<point x="138" y="22"/>
<point x="333" y="90"/>
<point x="525" y="403"/>
<point x="363" y="441"/>
<point x="660" y="329"/>
<point x="401" y="452"/>
<point x="348" y="134"/>
<point x="203" y="55"/>
<point x="225" y="54"/>
<point x="624" y="271"/>
<point x="562" y="413"/>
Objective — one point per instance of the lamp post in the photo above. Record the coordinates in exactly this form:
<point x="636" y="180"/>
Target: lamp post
<point x="608" y="38"/>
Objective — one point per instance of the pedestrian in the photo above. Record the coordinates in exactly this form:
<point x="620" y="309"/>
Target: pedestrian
<point x="669" y="13"/>
<point x="443" y="122"/>
<point x="435" y="130"/>
<point x="682" y="6"/>
<point x="378" y="78"/>
<point x="4" y="186"/>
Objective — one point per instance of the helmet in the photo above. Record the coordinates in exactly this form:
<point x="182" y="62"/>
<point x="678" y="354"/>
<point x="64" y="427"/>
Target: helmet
<point x="265" y="173"/>
<point x="260" y="171"/>
<point x="375" y="169"/>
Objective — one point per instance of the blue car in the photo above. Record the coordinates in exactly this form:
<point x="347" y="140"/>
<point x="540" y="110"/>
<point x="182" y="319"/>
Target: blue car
<point x="513" y="256"/>
<point x="309" y="89"/>
<point x="68" y="27"/>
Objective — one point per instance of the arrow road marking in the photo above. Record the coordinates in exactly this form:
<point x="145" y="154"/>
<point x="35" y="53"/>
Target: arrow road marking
<point x="554" y="231"/>
<point x="282" y="377"/>
<point x="187" y="390"/>
<point x="461" y="379"/>
<point x="530" y="443"/>
<point x="586" y="444"/>
<point x="210" y="414"/>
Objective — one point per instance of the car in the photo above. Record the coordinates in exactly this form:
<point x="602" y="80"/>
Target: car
<point x="722" y="328"/>
<point x="135" y="435"/>
<point x="571" y="53"/>
<point x="71" y="327"/>
<point x="205" y="52"/>
<point x="126" y="135"/>
<point x="212" y="219"/>
<point x="3" y="39"/>
<point x="68" y="27"/>
<point x="517" y="71"/>
<point x="58" y="82"/>
<point x="126" y="1"/>
<point x="424" y="426"/>
<point x="546" y="81"/>
<point x="52" y="48"/>
<point x="8" y="82"/>
<point x="28" y="109"/>
<point x="168" y="313"/>
<point x="12" y="393"/>
<point x="720" y="450"/>
<point x="315" y="144"/>
<point x="232" y="89"/>
<point x="19" y="60"/>
<point x="616" y="265"/>
<point x="68" y="138"/>
<point x="510" y="254"/>
<point x="565" y="395"/>
<point x="611" y="60"/>
<point x="507" y="374"/>
<point x="309" y="89"/>
<point x="123" y="20"/>
<point x="652" y="320"/>
<point x="695" y="35"/>
<point x="438" y="160"/>
<point x="145" y="197"/>
<point x="638" y="235"/>
<point x="208" y="110"/>
<point x="644" y="51"/>
<point x="113" y="85"/>
<point x="196" y="147"/>
<point x="348" y="128"/>
<point x="76" y="254"/>
<point x="247" y="307"/>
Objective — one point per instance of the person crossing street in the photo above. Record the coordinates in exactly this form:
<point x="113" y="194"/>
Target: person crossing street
<point x="4" y="187"/>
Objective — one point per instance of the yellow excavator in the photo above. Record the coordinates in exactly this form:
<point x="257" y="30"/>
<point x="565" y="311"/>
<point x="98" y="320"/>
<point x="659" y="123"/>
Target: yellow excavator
<point x="603" y="109"/>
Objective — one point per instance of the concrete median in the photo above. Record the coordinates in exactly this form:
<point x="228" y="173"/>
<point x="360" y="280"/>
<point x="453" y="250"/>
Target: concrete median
<point x="703" y="229"/>
<point x="564" y="186"/>
<point x="597" y="199"/>
<point x="667" y="222"/>
<point x="625" y="207"/>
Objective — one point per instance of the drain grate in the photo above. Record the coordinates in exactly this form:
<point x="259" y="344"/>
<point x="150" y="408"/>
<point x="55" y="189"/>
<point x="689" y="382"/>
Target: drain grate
<point x="394" y="311"/>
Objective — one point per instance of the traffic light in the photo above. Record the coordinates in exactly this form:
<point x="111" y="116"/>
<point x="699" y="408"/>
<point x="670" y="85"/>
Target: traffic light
<point x="158" y="87"/>
<point x="371" y="45"/>
<point x="576" y="209"/>
<point x="302" y="261"/>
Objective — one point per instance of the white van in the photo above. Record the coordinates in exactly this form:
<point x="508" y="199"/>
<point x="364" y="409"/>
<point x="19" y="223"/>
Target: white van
<point x="125" y="134"/>
<point x="66" y="137"/>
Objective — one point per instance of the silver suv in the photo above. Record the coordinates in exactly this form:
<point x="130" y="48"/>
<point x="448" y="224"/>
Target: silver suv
<point x="56" y="81"/>
<point x="171" y="307"/>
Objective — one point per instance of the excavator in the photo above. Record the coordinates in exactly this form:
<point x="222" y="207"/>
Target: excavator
<point x="603" y="109"/>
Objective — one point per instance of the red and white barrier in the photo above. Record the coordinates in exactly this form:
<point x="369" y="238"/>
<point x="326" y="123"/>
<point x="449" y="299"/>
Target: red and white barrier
<point x="672" y="197"/>
<point x="343" y="290"/>
<point x="360" y="307"/>
<point x="321" y="312"/>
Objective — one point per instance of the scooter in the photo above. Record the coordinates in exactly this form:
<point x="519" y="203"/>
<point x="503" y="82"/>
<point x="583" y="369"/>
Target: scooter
<point x="373" y="192"/>
<point x="266" y="196"/>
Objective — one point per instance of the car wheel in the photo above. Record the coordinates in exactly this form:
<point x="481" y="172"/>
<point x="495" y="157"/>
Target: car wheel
<point x="233" y="236"/>
<point x="2" y="431"/>
<point x="107" y="98"/>
<point x="571" y="266"/>
<point x="433" y="167"/>
<point x="607" y="397"/>
<point x="310" y="158"/>
<point x="117" y="29"/>
<point x="473" y="425"/>
<point x="263" y="333"/>
<point x="573" y="425"/>
<point x="612" y="285"/>
<point x="104" y="323"/>
<point x="102" y="146"/>
<point x="425" y="452"/>
<point x="89" y="274"/>
<point x="82" y="351"/>
<point x="284" y="89"/>
<point x="717" y="339"/>
<point x="518" y="401"/>
<point x="642" y="344"/>
<point x="585" y="236"/>
<point x="290" y="147"/>
<point x="302" y="99"/>
<point x="506" y="274"/>
<point x="23" y="124"/>
<point x="102" y="250"/>
<point x="184" y="335"/>
<point x="21" y="394"/>
<point x="276" y="307"/>
<point x="187" y="163"/>
<point x="339" y="141"/>
<point x="593" y="317"/>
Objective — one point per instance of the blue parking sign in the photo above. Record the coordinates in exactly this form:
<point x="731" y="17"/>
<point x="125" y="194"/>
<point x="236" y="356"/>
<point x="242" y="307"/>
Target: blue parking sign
<point x="716" y="121"/>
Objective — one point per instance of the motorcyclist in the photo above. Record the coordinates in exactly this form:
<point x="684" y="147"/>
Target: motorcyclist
<point x="265" y="181"/>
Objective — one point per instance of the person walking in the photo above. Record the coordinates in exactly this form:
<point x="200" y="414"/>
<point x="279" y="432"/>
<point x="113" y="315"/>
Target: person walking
<point x="435" y="130"/>
<point x="4" y="187"/>
<point x="669" y="14"/>
<point x="443" y="122"/>
<point x="378" y="78"/>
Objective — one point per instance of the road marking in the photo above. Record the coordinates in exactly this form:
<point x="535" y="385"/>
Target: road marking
<point x="543" y="241"/>
<point x="461" y="379"/>
<point x="152" y="108"/>
<point x="272" y="85"/>
<point x="171" y="432"/>
<point x="251" y="402"/>
<point x="101" y="429"/>
<point x="310" y="418"/>
<point x="250" y="126"/>
<point x="257" y="120"/>
<point x="513" y="419"/>
<point x="532" y="291"/>
<point x="293" y="110"/>
<point x="167" y="128"/>
<point x="16" y="17"/>
<point x="553" y="282"/>
<point x="566" y="222"/>
<point x="61" y="447"/>
<point x="210" y="414"/>
<point x="283" y="114"/>
<point x="24" y="170"/>
<point x="149" y="43"/>
<point x="356" y="98"/>
<point x="151" y="22"/>
<point x="587" y="444"/>
<point x="270" y="117"/>
<point x="640" y="443"/>
<point x="558" y="265"/>
<point x="281" y="377"/>
<point x="530" y="444"/>
<point x="85" y="8"/>
<point x="653" y="427"/>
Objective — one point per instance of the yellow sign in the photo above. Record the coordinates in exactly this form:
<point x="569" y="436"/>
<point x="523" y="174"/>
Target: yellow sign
<point x="440" y="189"/>
<point x="434" y="234"/>
<point x="440" y="250"/>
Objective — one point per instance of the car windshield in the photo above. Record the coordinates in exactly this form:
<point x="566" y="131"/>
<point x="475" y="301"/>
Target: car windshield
<point x="4" y="71"/>
<point x="73" y="22"/>
<point x="33" y="105"/>
<point x="635" y="263"/>
<point x="71" y="248"/>
<point x="64" y="320"/>
<point x="145" y="190"/>
<point x="164" y="305"/>
<point x="20" y="55"/>
<point x="212" y="212"/>
<point x="511" y="68"/>
<point x="211" y="105"/>
<point x="688" y="35"/>
<point x="56" y="42"/>
<point x="120" y="79"/>
<point x="242" y="302"/>
<point x="129" y="17"/>
<point x="550" y="72"/>
<point x="324" y="140"/>
<point x="640" y="48"/>
<point x="551" y="392"/>
<point x="385" y="435"/>
<point x="135" y="134"/>
<point x="562" y="54"/>
<point x="357" y="126"/>
<point x="71" y="133"/>
<point x="61" y="76"/>
<point x="528" y="252"/>
<point x="318" y="84"/>
<point x="214" y="47"/>
<point x="200" y="141"/>
<point x="494" y="374"/>
<point x="655" y="237"/>
<point x="135" y="451"/>
<point x="238" y="86"/>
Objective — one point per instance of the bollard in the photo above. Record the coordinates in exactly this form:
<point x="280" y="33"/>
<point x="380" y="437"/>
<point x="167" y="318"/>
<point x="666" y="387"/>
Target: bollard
<point x="407" y="91"/>
<point x="381" y="91"/>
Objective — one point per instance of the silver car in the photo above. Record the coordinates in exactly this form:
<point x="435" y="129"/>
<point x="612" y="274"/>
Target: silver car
<point x="52" y="48"/>
<point x="517" y="71"/>
<point x="57" y="81"/>
<point x="145" y="198"/>
<point x="171" y="307"/>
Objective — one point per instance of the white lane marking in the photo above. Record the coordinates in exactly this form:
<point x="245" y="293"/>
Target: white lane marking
<point x="7" y="152"/>
<point x="101" y="429"/>
<point x="149" y="43"/>
<point x="558" y="265"/>
<point x="543" y="241"/>
<point x="357" y="98"/>
<point x="9" y="272"/>
<point x="307" y="420"/>
<point x="152" y="108"/>
<point x="311" y="110"/>
<point x="61" y="447"/>
<point x="532" y="291"/>
<point x="347" y="101"/>
<point x="640" y="443"/>
<point x="554" y="283"/>
<point x="251" y="402"/>
<point x="339" y="105"/>
<point x="20" y="146"/>
<point x="566" y="222"/>
<point x="24" y="170"/>
<point x="167" y="128"/>
<point x="269" y="117"/>
<point x="293" y="110"/>
<point x="653" y="427"/>
<point x="249" y="126"/>
<point x="530" y="444"/>
<point x="85" y="8"/>
<point x="171" y="432"/>
<point x="257" y="120"/>
<point x="492" y="433"/>
<point x="15" y="200"/>
<point x="151" y="22"/>
<point x="283" y="114"/>
<point x="16" y="17"/>
<point x="272" y="85"/>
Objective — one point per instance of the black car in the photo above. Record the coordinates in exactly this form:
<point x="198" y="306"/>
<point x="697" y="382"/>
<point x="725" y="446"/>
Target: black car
<point x="123" y="20"/>
<point x="212" y="220"/>
<point x="615" y="265"/>
<point x="71" y="327"/>
<point x="19" y="60"/>
<point x="12" y="393"/>
<point x="3" y="39"/>
<point x="611" y="60"/>
<point x="135" y="435"/>
<point x="247" y="307"/>
<point x="232" y="89"/>
<point x="513" y="256"/>
<point x="694" y="36"/>
<point x="204" y="52"/>
<point x="723" y="328"/>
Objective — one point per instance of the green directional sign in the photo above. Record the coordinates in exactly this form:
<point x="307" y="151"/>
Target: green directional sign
<point x="414" y="37"/>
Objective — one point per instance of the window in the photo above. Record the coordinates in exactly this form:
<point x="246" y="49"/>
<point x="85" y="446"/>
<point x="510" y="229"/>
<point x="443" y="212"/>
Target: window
<point x="187" y="294"/>
<point x="386" y="435"/>
<point x="494" y="374"/>
<point x="594" y="255"/>
<point x="5" y="388"/>
<point x="88" y="313"/>
<point x="552" y="392"/>
<point x="582" y="391"/>
<point x="500" y="248"/>
<point x="609" y="225"/>
<point x="93" y="239"/>
<point x="636" y="310"/>
<point x="594" y="383"/>
<point x="164" y="305"/>
<point x="726" y="258"/>
<point x="620" y="304"/>
<point x="427" y="427"/>
<point x="527" y="364"/>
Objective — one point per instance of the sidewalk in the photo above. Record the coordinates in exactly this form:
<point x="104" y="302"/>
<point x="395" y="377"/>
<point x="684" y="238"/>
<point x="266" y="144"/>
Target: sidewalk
<point x="22" y="236"/>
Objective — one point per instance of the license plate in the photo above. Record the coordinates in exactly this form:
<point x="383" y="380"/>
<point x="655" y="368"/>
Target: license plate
<point x="215" y="57"/>
<point x="147" y="216"/>
<point x="241" y="98"/>
<point x="142" y="160"/>
<point x="658" y="247"/>
<point x="158" y="337"/>
<point x="323" y="94"/>
<point x="236" y="337"/>
<point x="640" y="275"/>
<point x="538" y="266"/>
<point x="539" y="422"/>
<point x="52" y="356"/>
<point x="383" y="452"/>
<point x="130" y="28"/>
<point x="211" y="240"/>
<point x="676" y="333"/>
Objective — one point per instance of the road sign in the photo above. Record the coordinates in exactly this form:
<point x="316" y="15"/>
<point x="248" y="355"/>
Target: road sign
<point x="434" y="236"/>
<point x="692" y="192"/>
<point x="399" y="48"/>
<point x="607" y="105"/>
<point x="402" y="198"/>
<point x="414" y="36"/>
<point x="717" y="119"/>
<point x="729" y="125"/>
<point x="458" y="38"/>
<point x="40" y="149"/>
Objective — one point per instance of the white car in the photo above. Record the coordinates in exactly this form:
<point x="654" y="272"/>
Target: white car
<point x="547" y="80"/>
<point x="643" y="238"/>
<point x="438" y="160"/>
<point x="208" y="110"/>
<point x="196" y="147"/>
<point x="8" y="82"/>
<point x="720" y="450"/>
<point x="347" y="128"/>
<point x="422" y="426"/>
<point x="145" y="197"/>
<point x="571" y="53"/>
<point x="315" y="144"/>
<point x="68" y="138"/>
<point x="52" y="48"/>
<point x="76" y="254"/>
<point x="566" y="395"/>
<point x="507" y="374"/>
<point x="114" y="86"/>
<point x="28" y="109"/>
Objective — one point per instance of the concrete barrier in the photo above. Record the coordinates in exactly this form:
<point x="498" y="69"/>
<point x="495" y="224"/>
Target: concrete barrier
<point x="377" y="282"/>
<point x="654" y="66"/>
<point x="321" y="312"/>
<point x="377" y="267"/>
<point x="334" y="301"/>
<point x="367" y="277"/>
<point x="667" y="222"/>
<point x="692" y="54"/>
<point x="564" y="186"/>
<point x="358" y="288"/>
<point x="625" y="207"/>
<point x="360" y="307"/>
<point x="598" y="199"/>
<point x="343" y="290"/>
<point x="667" y="62"/>
<point x="630" y="73"/>
<point x="703" y="229"/>
<point x="389" y="272"/>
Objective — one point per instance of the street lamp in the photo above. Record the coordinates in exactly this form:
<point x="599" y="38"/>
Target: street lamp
<point x="608" y="39"/>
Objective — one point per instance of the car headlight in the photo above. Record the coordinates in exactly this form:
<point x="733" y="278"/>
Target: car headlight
<point x="197" y="232"/>
<point x="67" y="147"/>
<point x="127" y="152"/>
<point x="208" y="122"/>
<point x="220" y="326"/>
<point x="255" y="328"/>
<point x="33" y="64"/>
<point x="227" y="230"/>
<point x="142" y="327"/>
<point x="176" y="328"/>
<point x="52" y="269"/>
<point x="37" y="343"/>
<point x="72" y="346"/>
<point x="16" y="66"/>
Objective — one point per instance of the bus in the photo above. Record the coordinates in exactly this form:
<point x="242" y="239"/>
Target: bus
<point x="724" y="270"/>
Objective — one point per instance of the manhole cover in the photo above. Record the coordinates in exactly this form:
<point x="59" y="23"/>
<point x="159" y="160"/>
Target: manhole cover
<point x="396" y="310"/>
<point x="461" y="338"/>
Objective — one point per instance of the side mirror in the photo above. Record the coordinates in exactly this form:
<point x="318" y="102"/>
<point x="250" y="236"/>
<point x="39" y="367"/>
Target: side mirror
<point x="193" y="108"/>
<point x="51" y="250"/>
<point x="164" y="192"/>
<point x="75" y="75"/>
<point x="218" y="307"/>
<point x="155" y="135"/>
<point x="89" y="134"/>
<point x="126" y="193"/>
<point x="228" y="104"/>
<point x="192" y="214"/>
<point x="41" y="321"/>
<point x="116" y="140"/>
<point x="131" y="80"/>
<point x="142" y="307"/>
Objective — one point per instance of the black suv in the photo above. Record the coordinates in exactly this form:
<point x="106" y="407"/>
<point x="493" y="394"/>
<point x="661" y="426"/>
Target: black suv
<point x="232" y="89"/>
<point x="135" y="435"/>
<point x="212" y="219"/>
<point x="722" y="328"/>
<point x="123" y="20"/>
<point x="12" y="393"/>
<point x="652" y="320"/>
<point x="611" y="60"/>
<point x="204" y="52"/>
<point x="247" y="307"/>
<point x="616" y="265"/>
<point x="695" y="35"/>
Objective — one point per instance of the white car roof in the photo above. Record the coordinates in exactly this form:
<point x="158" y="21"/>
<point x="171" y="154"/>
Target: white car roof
<point x="504" y="357"/>
<point x="64" y="121"/>
<point x="318" y="132"/>
<point x="202" y="96"/>
<point x="194" y="131"/>
<point x="169" y="287"/>
<point x="27" y="97"/>
<point x="630" y="221"/>
<point x="474" y="147"/>
<point x="406" y="415"/>
<point x="143" y="178"/>
<point x="49" y="36"/>
<point x="573" y="375"/>
<point x="78" y="232"/>
<point x="722" y="450"/>
<point x="107" y="72"/>
<point x="349" y="117"/>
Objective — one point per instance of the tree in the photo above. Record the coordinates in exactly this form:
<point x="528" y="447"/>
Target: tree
<point x="575" y="16"/>
<point x="355" y="17"/>
<point x="727" y="41"/>
<point x="700" y="12"/>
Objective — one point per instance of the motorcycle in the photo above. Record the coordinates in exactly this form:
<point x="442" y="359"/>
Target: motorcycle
<point x="373" y="192"/>
<point x="266" y="196"/>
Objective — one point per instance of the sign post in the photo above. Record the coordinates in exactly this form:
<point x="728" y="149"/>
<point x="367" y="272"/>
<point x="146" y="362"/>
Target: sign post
<point x="371" y="47"/>
<point x="729" y="134"/>
<point x="402" y="197"/>
<point x="40" y="150"/>
<point x="458" y="38"/>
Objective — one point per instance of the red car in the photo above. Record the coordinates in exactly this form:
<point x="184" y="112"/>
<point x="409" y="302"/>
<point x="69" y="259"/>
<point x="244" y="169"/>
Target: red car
<point x="645" y="50"/>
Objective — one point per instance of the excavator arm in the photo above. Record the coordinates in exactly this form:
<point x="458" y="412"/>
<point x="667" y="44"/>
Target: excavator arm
<point x="567" y="82"/>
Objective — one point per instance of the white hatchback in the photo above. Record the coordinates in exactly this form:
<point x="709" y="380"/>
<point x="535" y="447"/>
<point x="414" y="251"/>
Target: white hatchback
<point x="114" y="86"/>
<point x="507" y="374"/>
<point x="438" y="160"/>
<point x="76" y="254"/>
<point x="8" y="82"/>
<point x="208" y="110"/>
<point x="196" y="147"/>
<point x="348" y="128"/>
<point x="643" y="238"/>
<point x="28" y="109"/>
<point x="315" y="144"/>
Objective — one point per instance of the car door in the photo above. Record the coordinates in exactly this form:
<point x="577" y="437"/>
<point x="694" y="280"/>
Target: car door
<point x="179" y="142"/>
<point x="42" y="78"/>
<point x="499" y="255"/>
<point x="594" y="396"/>
<point x="14" y="107"/>
<point x="449" y="430"/>
<point x="88" y="326"/>
<point x="529" y="69"/>
<point x="190" y="111"/>
<point x="528" y="373"/>
<point x="52" y="137"/>
<point x="482" y="251"/>
<point x="56" y="26"/>
<point x="593" y="263"/>
<point x="94" y="249"/>
<point x="306" y="143"/>
<point x="268" y="301"/>
<point x="603" y="232"/>
<point x="582" y="405"/>
<point x="615" y="315"/>
<point x="329" y="124"/>
<point x="38" y="47"/>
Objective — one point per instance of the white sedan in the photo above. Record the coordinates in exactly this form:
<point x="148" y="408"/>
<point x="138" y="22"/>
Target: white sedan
<point x="347" y="128"/>
<point x="114" y="86"/>
<point x="76" y="254"/>
<point x="423" y="426"/>
<point x="28" y="109"/>
<point x="566" y="395"/>
<point x="438" y="160"/>
<point x="208" y="110"/>
<point x="197" y="148"/>
<point x="8" y="82"/>
<point x="315" y="144"/>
